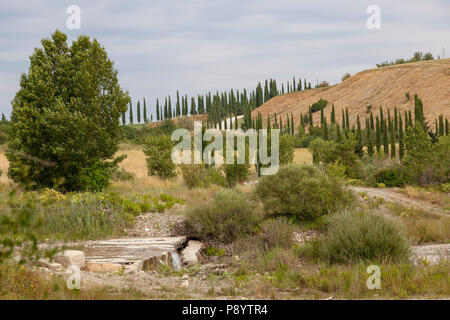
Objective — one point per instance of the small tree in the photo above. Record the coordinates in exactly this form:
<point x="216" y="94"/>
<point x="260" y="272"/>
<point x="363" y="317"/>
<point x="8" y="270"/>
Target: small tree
<point x="65" y="121"/>
<point x="158" y="150"/>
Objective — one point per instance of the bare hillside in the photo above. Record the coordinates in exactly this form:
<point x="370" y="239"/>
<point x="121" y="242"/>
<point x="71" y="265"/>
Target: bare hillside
<point x="384" y="87"/>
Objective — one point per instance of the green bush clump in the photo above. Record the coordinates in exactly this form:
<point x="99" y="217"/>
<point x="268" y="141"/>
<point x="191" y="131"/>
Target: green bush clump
<point x="200" y="176"/>
<point x="353" y="237"/>
<point x="277" y="233"/>
<point x="123" y="175"/>
<point x="302" y="192"/>
<point x="319" y="105"/>
<point x="158" y="150"/>
<point x="225" y="218"/>
<point x="390" y="177"/>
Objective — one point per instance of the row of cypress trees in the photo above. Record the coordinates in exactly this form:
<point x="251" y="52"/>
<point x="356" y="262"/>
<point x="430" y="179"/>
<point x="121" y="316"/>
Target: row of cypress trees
<point x="218" y="106"/>
<point x="382" y="132"/>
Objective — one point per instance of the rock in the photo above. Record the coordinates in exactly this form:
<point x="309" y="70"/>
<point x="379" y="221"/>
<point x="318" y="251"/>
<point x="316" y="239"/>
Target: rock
<point x="185" y="277"/>
<point x="71" y="257"/>
<point x="46" y="263"/>
<point x="192" y="253"/>
<point x="430" y="254"/>
<point x="103" y="267"/>
<point x="185" y="284"/>
<point x="135" y="267"/>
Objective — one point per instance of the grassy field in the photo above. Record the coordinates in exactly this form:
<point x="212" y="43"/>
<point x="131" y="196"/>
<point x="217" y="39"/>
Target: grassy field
<point x="277" y="273"/>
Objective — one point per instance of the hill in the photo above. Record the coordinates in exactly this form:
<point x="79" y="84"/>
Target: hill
<point x="386" y="87"/>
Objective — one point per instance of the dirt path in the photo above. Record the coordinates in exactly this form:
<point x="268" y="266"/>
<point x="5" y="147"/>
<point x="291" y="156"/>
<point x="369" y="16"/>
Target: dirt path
<point x="390" y="195"/>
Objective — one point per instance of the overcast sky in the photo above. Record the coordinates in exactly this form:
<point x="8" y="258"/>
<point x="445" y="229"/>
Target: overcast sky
<point x="206" y="45"/>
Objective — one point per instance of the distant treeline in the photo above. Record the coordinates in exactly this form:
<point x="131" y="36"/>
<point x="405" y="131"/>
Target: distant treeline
<point x="418" y="56"/>
<point x="218" y="106"/>
<point x="381" y="132"/>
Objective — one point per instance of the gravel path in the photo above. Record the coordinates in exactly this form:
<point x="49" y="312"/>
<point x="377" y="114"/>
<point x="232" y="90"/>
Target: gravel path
<point x="391" y="195"/>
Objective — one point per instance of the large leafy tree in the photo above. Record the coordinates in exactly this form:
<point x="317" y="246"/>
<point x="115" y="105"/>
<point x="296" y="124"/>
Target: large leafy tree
<point x="65" y="119"/>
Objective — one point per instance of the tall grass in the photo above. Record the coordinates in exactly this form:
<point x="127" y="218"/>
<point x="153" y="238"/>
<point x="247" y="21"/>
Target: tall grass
<point x="353" y="236"/>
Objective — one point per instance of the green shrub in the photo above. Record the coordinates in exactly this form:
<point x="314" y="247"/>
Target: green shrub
<point x="319" y="105"/>
<point x="390" y="177"/>
<point x="235" y="173"/>
<point x="225" y="218"/>
<point x="353" y="237"/>
<point x="302" y="192"/>
<point x="277" y="233"/>
<point x="123" y="175"/>
<point x="286" y="150"/>
<point x="199" y="176"/>
<point x="158" y="150"/>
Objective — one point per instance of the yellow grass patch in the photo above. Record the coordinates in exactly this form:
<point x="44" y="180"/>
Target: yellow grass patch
<point x="302" y="156"/>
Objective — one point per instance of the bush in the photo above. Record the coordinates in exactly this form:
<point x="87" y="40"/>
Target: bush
<point x="390" y="177"/>
<point x="123" y="175"/>
<point x="225" y="218"/>
<point x="319" y="105"/>
<point x="158" y="150"/>
<point x="286" y="150"/>
<point x="199" y="176"/>
<point x="354" y="237"/>
<point x="235" y="173"/>
<point x="65" y="116"/>
<point x="302" y="192"/>
<point x="277" y="233"/>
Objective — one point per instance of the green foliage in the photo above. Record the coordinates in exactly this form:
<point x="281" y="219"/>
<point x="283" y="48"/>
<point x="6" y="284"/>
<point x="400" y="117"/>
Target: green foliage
<point x="286" y="150"/>
<point x="328" y="152"/>
<point x="319" y="105"/>
<point x="352" y="237"/>
<point x="200" y="176"/>
<point x="158" y="150"/>
<point x="302" y="192"/>
<point x="277" y="233"/>
<point x="235" y="173"/>
<point x="418" y="56"/>
<point x="225" y="218"/>
<point x="65" y="116"/>
<point x="390" y="177"/>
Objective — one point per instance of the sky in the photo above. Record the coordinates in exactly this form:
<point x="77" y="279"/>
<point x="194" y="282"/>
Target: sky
<point x="197" y="46"/>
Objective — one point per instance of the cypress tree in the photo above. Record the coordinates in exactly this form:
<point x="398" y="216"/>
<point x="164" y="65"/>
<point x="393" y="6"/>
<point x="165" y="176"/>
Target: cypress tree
<point x="169" y="110"/>
<point x="321" y="117"/>
<point x="372" y="126"/>
<point x="338" y="134"/>
<point x="131" y="113"/>
<point x="333" y="115"/>
<point x="358" y="130"/>
<point x="393" y="153"/>
<point x="177" y="107"/>
<point x="396" y="120"/>
<point x="343" y="120"/>
<point x="378" y="135"/>
<point x="418" y="110"/>
<point x="292" y="124"/>
<point x="369" y="143"/>
<point x="385" y="139"/>
<point x="311" y="123"/>
<point x="325" y="128"/>
<point x="406" y="120"/>
<point x="347" y="118"/>
<point x="401" y="145"/>
<point x="138" y="114"/>
<point x="441" y="125"/>
<point x="193" y="108"/>
<point x="446" y="126"/>
<point x="145" y="112"/>
<point x="381" y="118"/>
<point x="123" y="118"/>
